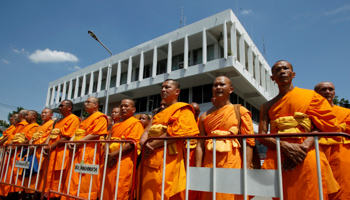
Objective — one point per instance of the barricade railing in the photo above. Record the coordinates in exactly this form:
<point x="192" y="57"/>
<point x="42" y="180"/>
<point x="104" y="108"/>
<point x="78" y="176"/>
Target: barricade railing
<point x="21" y="158"/>
<point x="94" y="168"/>
<point x="205" y="179"/>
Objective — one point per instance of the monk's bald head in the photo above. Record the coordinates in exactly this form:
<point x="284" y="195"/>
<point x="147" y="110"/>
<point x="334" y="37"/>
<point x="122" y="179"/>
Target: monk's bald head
<point x="173" y="82"/>
<point x="131" y="102"/>
<point x="226" y="79"/>
<point x="319" y="85"/>
<point x="22" y="114"/>
<point x="197" y="109"/>
<point x="327" y="90"/>
<point x="279" y="62"/>
<point x="34" y="113"/>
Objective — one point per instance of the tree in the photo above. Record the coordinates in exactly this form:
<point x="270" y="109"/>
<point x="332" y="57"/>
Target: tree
<point x="4" y="124"/>
<point x="343" y="102"/>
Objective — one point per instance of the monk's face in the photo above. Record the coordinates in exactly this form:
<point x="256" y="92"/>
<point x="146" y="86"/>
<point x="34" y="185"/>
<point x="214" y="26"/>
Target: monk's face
<point x="282" y="73"/>
<point x="90" y="105"/>
<point x="110" y="120"/>
<point x="30" y="117"/>
<point x="162" y="104"/>
<point x="327" y="90"/>
<point x="127" y="109"/>
<point x="169" y="91"/>
<point x="115" y="114"/>
<point x="144" y="120"/>
<point x="222" y="88"/>
<point x="12" y="120"/>
<point x="46" y="115"/>
<point x="64" y="108"/>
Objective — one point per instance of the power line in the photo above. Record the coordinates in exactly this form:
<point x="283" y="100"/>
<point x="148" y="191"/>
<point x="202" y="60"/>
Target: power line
<point x="7" y="106"/>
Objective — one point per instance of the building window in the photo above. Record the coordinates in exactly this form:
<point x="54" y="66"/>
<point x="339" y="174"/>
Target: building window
<point x="94" y="89"/>
<point x="255" y="114"/>
<point x="135" y="75"/>
<point x="147" y="71"/>
<point x="113" y="81"/>
<point x="177" y="62"/>
<point x="141" y="104"/>
<point x="161" y="66"/>
<point x="184" y="95"/>
<point x="123" y="78"/>
<point x="154" y="102"/>
<point x="197" y="57"/>
<point x="210" y="52"/>
<point x="233" y="98"/>
<point x="202" y="94"/>
<point x="241" y="100"/>
<point x="103" y="84"/>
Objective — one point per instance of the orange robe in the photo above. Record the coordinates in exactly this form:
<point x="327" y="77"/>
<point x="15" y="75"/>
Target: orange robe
<point x="8" y="131"/>
<point x="223" y="119"/>
<point x="129" y="129"/>
<point x="46" y="129"/>
<point x="302" y="182"/>
<point x="67" y="126"/>
<point x="179" y="119"/>
<point x="95" y="124"/>
<point x="28" y="130"/>
<point x="337" y="151"/>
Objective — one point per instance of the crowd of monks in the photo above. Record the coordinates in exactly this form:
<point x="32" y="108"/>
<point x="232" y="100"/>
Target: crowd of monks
<point x="293" y="110"/>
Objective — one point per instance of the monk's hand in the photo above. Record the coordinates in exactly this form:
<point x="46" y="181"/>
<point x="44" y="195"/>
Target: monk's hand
<point x="70" y="146"/>
<point x="46" y="151"/>
<point x="288" y="164"/>
<point x="148" y="150"/>
<point x="31" y="150"/>
<point x="111" y="161"/>
<point x="295" y="152"/>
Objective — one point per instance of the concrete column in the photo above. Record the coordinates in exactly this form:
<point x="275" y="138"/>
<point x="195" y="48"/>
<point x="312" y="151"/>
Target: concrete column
<point x="128" y="80"/>
<point x="204" y="47"/>
<point x="225" y="39"/>
<point x="48" y="96"/>
<point x="257" y="70"/>
<point x="242" y="50"/>
<point x="58" y="93"/>
<point x="53" y="94"/>
<point x="263" y="76"/>
<point x="119" y="69"/>
<point x="154" y="67"/>
<point x="170" y="57"/>
<point x="76" y="87"/>
<point x="64" y="90"/>
<point x="83" y="86"/>
<point x="91" y="86"/>
<point x="70" y="89"/>
<point x="233" y="36"/>
<point x="250" y="60"/>
<point x="142" y="66"/>
<point x="186" y="52"/>
<point x="99" y="81"/>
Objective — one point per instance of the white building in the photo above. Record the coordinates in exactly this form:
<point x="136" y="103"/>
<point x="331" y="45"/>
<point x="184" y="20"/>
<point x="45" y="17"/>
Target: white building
<point x="194" y="55"/>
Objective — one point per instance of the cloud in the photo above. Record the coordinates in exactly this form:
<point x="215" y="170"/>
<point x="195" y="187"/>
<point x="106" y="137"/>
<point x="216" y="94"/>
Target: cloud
<point x="338" y="10"/>
<point x="16" y="50"/>
<point x="5" y="61"/>
<point x="246" y="12"/>
<point x="74" y="68"/>
<point x="47" y="55"/>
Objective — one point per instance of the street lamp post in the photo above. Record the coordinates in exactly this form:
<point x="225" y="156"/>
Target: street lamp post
<point x="109" y="69"/>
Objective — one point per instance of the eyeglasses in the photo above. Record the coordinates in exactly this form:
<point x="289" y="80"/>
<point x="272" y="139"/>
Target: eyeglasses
<point x="87" y="102"/>
<point x="60" y="106"/>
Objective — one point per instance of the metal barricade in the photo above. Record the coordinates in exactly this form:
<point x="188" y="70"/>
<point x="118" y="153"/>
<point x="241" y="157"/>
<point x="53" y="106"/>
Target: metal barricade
<point x="13" y="163"/>
<point x="205" y="179"/>
<point x="95" y="169"/>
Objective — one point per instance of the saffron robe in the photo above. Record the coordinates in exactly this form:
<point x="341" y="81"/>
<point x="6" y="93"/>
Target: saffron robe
<point x="337" y="151"/>
<point x="28" y="130"/>
<point x="304" y="176"/>
<point x="95" y="124"/>
<point x="131" y="128"/>
<point x="224" y="119"/>
<point x="67" y="127"/>
<point x="9" y="131"/>
<point x="5" y="189"/>
<point x="179" y="119"/>
<point x="46" y="129"/>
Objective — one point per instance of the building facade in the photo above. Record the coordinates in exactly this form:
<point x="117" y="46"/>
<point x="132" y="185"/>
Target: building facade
<point x="194" y="55"/>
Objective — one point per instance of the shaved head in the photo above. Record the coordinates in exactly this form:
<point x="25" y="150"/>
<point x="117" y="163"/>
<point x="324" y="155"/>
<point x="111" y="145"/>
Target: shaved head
<point x="69" y="103"/>
<point x="229" y="82"/>
<point x="288" y="63"/>
<point x="319" y="85"/>
<point x="197" y="109"/>
<point x="34" y="113"/>
<point x="173" y="82"/>
<point x="132" y="102"/>
<point x="327" y="90"/>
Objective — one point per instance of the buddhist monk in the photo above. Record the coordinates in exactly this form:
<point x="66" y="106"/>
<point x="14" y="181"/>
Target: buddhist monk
<point x="145" y="119"/>
<point x="39" y="137"/>
<point x="337" y="149"/>
<point x="110" y="123"/>
<point x="128" y="128"/>
<point x="296" y="110"/>
<point x="9" y="131"/>
<point x="222" y="119"/>
<point x="91" y="128"/>
<point x="27" y="131"/>
<point x="63" y="130"/>
<point x="176" y="119"/>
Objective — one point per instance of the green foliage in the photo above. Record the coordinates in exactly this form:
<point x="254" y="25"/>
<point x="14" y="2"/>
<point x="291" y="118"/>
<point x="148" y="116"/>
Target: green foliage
<point x="4" y="124"/>
<point x="342" y="102"/>
<point x="38" y="120"/>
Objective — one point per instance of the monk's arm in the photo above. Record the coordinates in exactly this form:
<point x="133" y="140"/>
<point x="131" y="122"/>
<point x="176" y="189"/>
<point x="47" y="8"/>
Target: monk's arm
<point x="87" y="138"/>
<point x="108" y="138"/>
<point x="144" y="135"/>
<point x="263" y="128"/>
<point x="2" y="141"/>
<point x="160" y="143"/>
<point x="200" y="149"/>
<point x="125" y="149"/>
<point x="62" y="139"/>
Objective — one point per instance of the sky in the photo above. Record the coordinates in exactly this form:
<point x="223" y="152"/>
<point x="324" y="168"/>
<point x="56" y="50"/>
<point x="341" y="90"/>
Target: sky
<point x="41" y="41"/>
